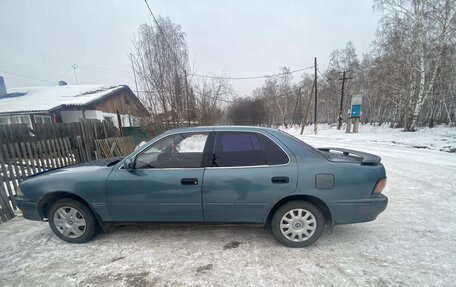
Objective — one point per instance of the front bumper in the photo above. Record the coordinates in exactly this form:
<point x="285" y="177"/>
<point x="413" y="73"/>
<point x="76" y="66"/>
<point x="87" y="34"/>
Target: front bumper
<point x="358" y="211"/>
<point x="29" y="209"/>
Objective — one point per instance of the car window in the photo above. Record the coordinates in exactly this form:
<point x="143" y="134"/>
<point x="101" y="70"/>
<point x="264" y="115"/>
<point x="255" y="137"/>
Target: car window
<point x="274" y="154"/>
<point x="238" y="149"/>
<point x="303" y="144"/>
<point x="194" y="143"/>
<point x="175" y="151"/>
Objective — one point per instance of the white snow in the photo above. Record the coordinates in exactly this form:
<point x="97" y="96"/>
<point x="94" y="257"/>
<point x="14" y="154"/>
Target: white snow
<point x="438" y="138"/>
<point x="46" y="98"/>
<point x="194" y="143"/>
<point x="412" y="243"/>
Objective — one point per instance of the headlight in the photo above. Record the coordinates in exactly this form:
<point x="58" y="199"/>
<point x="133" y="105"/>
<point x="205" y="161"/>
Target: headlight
<point x="380" y="185"/>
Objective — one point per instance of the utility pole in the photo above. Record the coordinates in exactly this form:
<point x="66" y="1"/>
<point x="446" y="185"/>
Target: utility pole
<point x="304" y="119"/>
<point x="186" y="94"/>
<point x="297" y="105"/>
<point x="74" y="66"/>
<point x="341" y="110"/>
<point x="300" y="105"/>
<point x="315" y="94"/>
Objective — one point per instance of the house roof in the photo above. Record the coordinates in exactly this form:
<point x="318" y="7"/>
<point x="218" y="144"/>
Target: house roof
<point x="43" y="99"/>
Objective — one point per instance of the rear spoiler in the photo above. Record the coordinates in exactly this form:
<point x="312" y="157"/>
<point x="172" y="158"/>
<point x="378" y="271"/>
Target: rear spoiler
<point x="366" y="158"/>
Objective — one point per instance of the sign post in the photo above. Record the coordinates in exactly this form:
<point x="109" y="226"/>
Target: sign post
<point x="355" y="111"/>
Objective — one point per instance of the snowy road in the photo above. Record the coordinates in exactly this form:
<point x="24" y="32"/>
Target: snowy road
<point x="413" y="243"/>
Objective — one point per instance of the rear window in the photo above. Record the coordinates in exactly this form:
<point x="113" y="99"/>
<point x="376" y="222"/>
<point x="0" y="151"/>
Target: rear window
<point x="303" y="144"/>
<point x="238" y="149"/>
<point x="275" y="155"/>
<point x="232" y="142"/>
<point x="246" y="149"/>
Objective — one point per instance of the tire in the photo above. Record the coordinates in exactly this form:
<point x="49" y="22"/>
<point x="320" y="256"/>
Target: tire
<point x="302" y="224"/>
<point x="72" y="221"/>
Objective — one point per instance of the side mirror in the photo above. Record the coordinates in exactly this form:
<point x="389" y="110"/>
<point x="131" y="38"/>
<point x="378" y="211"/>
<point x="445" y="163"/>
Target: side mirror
<point x="129" y="164"/>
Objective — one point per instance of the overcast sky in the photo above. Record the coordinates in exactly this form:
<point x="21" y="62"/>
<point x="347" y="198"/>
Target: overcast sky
<point x="42" y="39"/>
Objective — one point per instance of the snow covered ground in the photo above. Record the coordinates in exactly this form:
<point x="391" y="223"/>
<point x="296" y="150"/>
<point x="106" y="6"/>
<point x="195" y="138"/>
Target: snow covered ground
<point x="440" y="138"/>
<point x="413" y="243"/>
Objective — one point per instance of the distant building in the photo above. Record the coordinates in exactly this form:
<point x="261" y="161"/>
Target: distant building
<point x="69" y="103"/>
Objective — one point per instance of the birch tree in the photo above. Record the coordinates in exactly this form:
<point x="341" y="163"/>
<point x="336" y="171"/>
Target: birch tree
<point x="428" y="26"/>
<point x="160" y="58"/>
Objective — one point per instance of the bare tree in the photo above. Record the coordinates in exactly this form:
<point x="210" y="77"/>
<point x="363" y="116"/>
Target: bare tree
<point x="426" y="29"/>
<point x="160" y="58"/>
<point x="247" y="112"/>
<point x="210" y="94"/>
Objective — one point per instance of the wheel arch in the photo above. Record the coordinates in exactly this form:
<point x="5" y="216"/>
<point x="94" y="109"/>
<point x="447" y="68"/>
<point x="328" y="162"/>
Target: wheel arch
<point x="46" y="201"/>
<point x="320" y="204"/>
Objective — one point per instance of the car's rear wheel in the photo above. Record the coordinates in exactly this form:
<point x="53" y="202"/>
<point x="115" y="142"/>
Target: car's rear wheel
<point x="297" y="224"/>
<point x="72" y="220"/>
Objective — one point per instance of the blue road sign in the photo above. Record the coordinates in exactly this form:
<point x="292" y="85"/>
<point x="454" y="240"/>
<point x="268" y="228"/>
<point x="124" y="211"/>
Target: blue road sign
<point x="356" y="111"/>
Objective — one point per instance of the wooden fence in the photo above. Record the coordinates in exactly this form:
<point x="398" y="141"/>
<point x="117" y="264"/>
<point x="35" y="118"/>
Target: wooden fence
<point x="114" y="147"/>
<point x="14" y="133"/>
<point x="85" y="128"/>
<point x="24" y="152"/>
<point x="20" y="160"/>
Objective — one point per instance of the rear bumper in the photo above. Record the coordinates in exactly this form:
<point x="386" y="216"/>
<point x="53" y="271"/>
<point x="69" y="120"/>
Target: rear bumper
<point x="358" y="211"/>
<point x="29" y="209"/>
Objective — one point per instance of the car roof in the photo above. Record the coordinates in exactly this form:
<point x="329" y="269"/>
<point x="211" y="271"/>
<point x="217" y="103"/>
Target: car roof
<point x="220" y="128"/>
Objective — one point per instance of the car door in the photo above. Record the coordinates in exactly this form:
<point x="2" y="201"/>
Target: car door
<point x="248" y="173"/>
<point x="165" y="183"/>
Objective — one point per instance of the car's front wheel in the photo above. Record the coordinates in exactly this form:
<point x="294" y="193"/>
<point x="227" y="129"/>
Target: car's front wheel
<point x="297" y="224"/>
<point x="72" y="220"/>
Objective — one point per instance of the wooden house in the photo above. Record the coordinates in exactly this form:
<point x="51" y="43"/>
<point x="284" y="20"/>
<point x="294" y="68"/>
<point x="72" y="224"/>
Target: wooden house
<point x="69" y="103"/>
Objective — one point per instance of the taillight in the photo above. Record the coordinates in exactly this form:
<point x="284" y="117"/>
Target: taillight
<point x="380" y="185"/>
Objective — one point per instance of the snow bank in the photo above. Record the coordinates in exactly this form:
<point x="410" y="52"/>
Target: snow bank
<point x="440" y="138"/>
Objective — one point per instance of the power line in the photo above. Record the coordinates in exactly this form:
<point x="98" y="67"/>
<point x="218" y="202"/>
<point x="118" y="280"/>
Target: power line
<point x="66" y="71"/>
<point x="251" y="77"/>
<point x="104" y="71"/>
<point x="240" y="100"/>
<point x="328" y="88"/>
<point x="213" y="77"/>
<point x="163" y="34"/>
<point x="107" y="69"/>
<point x="327" y="81"/>
<point x="228" y="101"/>
<point x="27" y="77"/>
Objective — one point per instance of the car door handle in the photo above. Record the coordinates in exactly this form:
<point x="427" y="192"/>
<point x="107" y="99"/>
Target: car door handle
<point x="189" y="181"/>
<point x="280" y="179"/>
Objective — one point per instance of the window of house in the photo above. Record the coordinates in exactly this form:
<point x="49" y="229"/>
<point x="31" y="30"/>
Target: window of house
<point x="238" y="149"/>
<point x="174" y="151"/>
<point x="125" y="122"/>
<point x="108" y="119"/>
<point x="42" y="119"/>
<point x="15" y="120"/>
<point x="25" y="120"/>
<point x="4" y="121"/>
